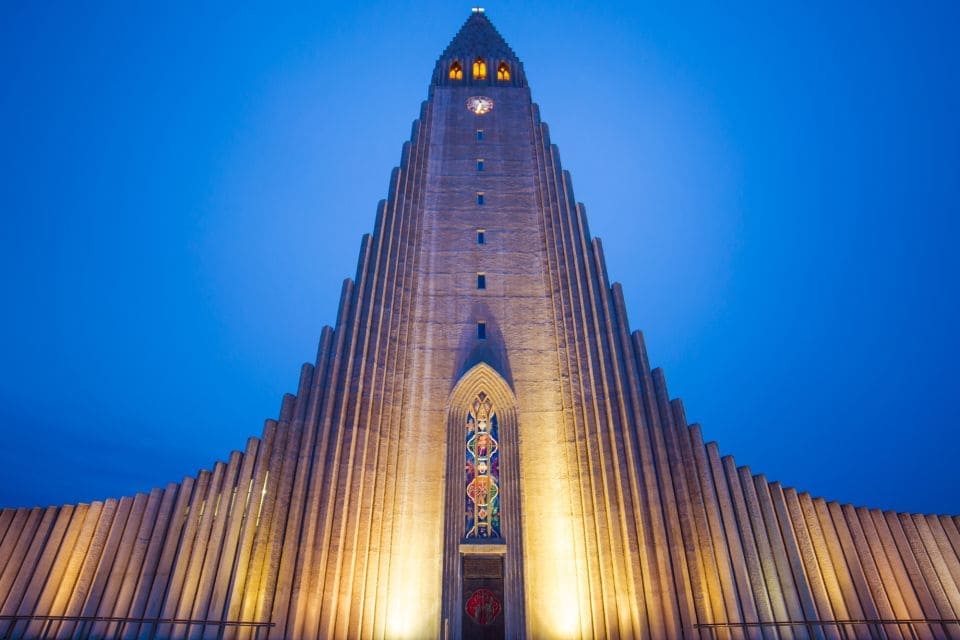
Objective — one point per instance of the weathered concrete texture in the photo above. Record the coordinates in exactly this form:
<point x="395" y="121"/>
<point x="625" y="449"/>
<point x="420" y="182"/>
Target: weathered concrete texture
<point x="346" y="517"/>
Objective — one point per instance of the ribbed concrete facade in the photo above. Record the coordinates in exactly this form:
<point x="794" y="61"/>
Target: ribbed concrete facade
<point x="600" y="512"/>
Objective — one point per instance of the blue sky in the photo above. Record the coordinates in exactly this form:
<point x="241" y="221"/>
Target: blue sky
<point x="776" y="184"/>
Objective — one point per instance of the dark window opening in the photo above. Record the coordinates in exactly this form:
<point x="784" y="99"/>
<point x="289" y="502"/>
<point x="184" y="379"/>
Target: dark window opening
<point x="479" y="134"/>
<point x="479" y="197"/>
<point x="479" y="164"/>
<point x="481" y="330"/>
<point x="481" y="236"/>
<point x="481" y="281"/>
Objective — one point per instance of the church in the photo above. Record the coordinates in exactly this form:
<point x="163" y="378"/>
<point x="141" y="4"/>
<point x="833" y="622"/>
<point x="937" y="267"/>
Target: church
<point x="480" y="449"/>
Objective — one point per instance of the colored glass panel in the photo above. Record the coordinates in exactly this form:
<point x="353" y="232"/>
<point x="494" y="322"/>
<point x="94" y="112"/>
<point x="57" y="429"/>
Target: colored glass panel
<point x="482" y="606"/>
<point x="482" y="471"/>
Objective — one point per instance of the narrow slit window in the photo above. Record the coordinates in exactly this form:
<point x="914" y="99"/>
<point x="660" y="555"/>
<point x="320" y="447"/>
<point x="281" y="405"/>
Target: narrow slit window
<point x="479" y="197"/>
<point x="481" y="281"/>
<point x="481" y="236"/>
<point x="479" y="164"/>
<point x="481" y="330"/>
<point x="479" y="134"/>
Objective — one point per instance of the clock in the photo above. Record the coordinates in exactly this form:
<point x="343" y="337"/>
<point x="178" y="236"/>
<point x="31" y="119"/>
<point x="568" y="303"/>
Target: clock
<point x="479" y="104"/>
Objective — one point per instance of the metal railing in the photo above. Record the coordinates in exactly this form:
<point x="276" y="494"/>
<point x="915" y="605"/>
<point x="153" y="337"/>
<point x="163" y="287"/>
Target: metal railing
<point x="914" y="629"/>
<point x="30" y="627"/>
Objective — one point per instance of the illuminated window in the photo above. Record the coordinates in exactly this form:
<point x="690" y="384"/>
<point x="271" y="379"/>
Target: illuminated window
<point x="479" y="134"/>
<point x="481" y="330"/>
<point x="479" y="69"/>
<point x="481" y="236"/>
<point x="479" y="197"/>
<point x="456" y="71"/>
<point x="481" y="281"/>
<point x="482" y="470"/>
<point x="503" y="71"/>
<point x="479" y="164"/>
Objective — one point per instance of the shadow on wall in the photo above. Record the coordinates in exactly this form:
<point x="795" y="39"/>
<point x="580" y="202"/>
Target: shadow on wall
<point x="489" y="348"/>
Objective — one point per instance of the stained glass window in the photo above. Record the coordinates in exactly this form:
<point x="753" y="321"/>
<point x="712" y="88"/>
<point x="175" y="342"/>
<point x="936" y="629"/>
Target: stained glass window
<point x="482" y="471"/>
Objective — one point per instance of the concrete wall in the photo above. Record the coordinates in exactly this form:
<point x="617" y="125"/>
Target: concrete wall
<point x="344" y="519"/>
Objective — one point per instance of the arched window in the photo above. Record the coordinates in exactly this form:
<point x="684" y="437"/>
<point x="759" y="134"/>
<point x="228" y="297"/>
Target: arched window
<point x="483" y="530"/>
<point x="479" y="69"/>
<point x="482" y="481"/>
<point x="456" y="71"/>
<point x="503" y="71"/>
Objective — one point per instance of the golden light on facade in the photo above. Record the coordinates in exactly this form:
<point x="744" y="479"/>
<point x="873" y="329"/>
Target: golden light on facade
<point x="410" y="613"/>
<point x="550" y="560"/>
<point x="480" y="429"/>
<point x="564" y="621"/>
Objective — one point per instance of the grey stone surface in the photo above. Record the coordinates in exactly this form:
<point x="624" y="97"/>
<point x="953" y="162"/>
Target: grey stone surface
<point x="346" y="517"/>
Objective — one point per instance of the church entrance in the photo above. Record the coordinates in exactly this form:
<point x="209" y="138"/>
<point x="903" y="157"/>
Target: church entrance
<point x="483" y="615"/>
<point x="482" y="584"/>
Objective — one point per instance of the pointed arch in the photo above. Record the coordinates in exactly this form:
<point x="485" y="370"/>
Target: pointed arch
<point x="482" y="384"/>
<point x="503" y="71"/>
<point x="456" y="71"/>
<point x="480" y="403"/>
<point x="482" y="377"/>
<point x="479" y="69"/>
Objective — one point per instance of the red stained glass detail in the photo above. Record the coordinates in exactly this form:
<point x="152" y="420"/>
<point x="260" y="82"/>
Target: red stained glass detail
<point x="481" y="490"/>
<point x="482" y="606"/>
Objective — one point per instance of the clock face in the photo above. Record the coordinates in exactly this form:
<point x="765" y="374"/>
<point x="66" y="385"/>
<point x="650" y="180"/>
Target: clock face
<point x="479" y="104"/>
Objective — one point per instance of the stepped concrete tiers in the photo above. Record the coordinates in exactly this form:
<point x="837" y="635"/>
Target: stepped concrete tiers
<point x="480" y="450"/>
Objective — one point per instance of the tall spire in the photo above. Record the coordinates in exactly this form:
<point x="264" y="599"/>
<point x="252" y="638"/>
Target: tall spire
<point x="479" y="40"/>
<point x="478" y="36"/>
<point x="480" y="449"/>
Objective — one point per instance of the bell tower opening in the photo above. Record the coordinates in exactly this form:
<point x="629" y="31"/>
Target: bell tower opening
<point x="479" y="69"/>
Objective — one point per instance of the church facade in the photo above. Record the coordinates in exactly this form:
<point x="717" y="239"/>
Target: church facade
<point x="479" y="450"/>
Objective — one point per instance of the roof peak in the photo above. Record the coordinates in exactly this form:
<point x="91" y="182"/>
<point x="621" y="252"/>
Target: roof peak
<point x="478" y="36"/>
<point x="478" y="56"/>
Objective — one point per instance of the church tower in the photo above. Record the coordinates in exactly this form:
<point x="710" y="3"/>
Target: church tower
<point x="480" y="450"/>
